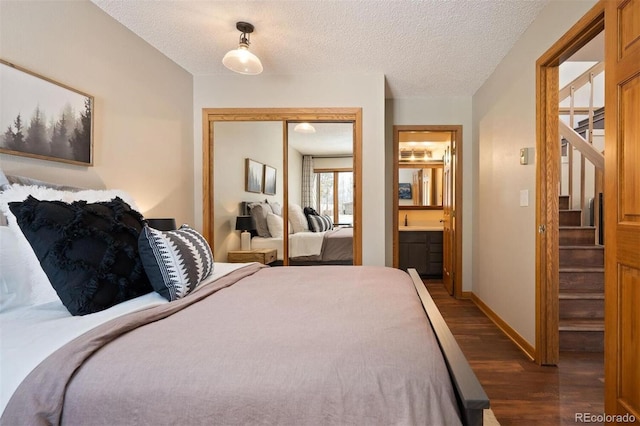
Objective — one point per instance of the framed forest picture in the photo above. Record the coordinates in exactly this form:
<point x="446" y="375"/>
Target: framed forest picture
<point x="252" y="176"/>
<point x="43" y="119"/>
<point x="269" y="180"/>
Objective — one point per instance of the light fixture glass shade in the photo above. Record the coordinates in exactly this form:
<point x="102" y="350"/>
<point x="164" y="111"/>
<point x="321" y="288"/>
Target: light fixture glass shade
<point x="304" y="128"/>
<point x="242" y="61"/>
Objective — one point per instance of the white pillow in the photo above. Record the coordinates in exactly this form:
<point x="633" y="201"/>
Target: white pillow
<point x="276" y="207"/>
<point x="40" y="289"/>
<point x="275" y="224"/>
<point x="14" y="273"/>
<point x="297" y="219"/>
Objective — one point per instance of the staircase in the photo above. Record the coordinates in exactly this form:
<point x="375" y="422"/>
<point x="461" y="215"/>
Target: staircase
<point x="581" y="297"/>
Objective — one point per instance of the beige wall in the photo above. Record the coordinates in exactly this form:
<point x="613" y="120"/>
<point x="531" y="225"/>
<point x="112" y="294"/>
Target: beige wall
<point x="452" y="110"/>
<point x="143" y="117"/>
<point x="311" y="91"/>
<point x="503" y="122"/>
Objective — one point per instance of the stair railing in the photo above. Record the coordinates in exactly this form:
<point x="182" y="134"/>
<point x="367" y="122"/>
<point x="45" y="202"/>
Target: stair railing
<point x="583" y="146"/>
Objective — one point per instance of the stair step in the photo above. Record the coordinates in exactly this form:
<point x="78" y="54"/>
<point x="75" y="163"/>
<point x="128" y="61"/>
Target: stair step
<point x="570" y="217"/>
<point x="577" y="235"/>
<point x="581" y="296"/>
<point x="572" y="256"/>
<point x="581" y="341"/>
<point x="582" y="279"/>
<point x="584" y="335"/>
<point x="563" y="202"/>
<point x="581" y="325"/>
<point x="577" y="306"/>
<point x="582" y="269"/>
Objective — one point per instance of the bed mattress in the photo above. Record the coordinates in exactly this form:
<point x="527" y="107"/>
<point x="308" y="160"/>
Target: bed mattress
<point x="298" y="345"/>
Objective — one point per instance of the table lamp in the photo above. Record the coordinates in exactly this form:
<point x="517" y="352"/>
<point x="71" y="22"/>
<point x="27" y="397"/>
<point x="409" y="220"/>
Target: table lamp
<point x="162" y="224"/>
<point x="245" y="224"/>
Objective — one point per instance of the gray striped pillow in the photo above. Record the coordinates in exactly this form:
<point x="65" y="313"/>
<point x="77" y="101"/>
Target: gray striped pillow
<point x="320" y="223"/>
<point x="175" y="261"/>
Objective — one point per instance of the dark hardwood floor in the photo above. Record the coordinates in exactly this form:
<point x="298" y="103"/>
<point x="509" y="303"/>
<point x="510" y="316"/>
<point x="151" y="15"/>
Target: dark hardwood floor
<point x="521" y="392"/>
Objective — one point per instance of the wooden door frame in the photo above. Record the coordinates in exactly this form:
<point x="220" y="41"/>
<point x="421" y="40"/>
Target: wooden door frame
<point x="457" y="132"/>
<point x="211" y="115"/>
<point x="547" y="177"/>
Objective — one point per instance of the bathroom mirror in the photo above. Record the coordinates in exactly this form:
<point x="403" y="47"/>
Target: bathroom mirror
<point x="420" y="185"/>
<point x="420" y="168"/>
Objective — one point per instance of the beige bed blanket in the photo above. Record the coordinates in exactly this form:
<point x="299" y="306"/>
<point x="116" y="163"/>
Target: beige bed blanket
<point x="289" y="346"/>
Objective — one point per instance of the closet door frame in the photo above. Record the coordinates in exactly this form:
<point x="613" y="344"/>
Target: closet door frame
<point x="286" y="115"/>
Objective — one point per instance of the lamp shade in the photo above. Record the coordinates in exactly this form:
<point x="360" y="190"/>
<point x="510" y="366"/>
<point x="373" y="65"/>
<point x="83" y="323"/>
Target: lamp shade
<point x="244" y="223"/>
<point x="242" y="61"/>
<point x="304" y="128"/>
<point x="162" y="224"/>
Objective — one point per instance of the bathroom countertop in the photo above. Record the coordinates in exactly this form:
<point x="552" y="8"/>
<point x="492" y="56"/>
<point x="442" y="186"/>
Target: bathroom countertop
<point x="428" y="227"/>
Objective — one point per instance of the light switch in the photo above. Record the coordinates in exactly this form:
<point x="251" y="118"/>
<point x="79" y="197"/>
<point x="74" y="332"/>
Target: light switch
<point x="524" y="197"/>
<point x="524" y="156"/>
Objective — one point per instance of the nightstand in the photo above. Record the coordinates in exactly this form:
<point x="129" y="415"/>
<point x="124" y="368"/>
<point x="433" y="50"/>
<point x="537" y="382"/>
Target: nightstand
<point x="265" y="256"/>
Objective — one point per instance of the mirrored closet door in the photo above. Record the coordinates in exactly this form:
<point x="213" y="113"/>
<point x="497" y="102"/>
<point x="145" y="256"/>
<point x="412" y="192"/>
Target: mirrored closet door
<point x="256" y="163"/>
<point x="321" y="187"/>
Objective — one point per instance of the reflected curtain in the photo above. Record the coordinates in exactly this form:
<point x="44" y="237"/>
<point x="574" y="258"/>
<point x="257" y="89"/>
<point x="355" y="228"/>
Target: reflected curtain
<point x="308" y="182"/>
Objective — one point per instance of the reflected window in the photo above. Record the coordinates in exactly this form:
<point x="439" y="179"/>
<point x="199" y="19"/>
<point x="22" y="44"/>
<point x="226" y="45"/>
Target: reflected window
<point x="335" y="195"/>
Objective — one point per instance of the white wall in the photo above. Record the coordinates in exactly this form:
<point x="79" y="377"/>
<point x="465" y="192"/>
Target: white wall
<point x="295" y="176"/>
<point x="332" y="162"/>
<point x="503" y="122"/>
<point x="234" y="142"/>
<point x="143" y="117"/>
<point x="290" y="91"/>
<point x="432" y="111"/>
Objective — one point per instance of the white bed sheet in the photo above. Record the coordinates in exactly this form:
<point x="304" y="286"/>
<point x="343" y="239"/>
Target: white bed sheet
<point x="28" y="335"/>
<point x="304" y="243"/>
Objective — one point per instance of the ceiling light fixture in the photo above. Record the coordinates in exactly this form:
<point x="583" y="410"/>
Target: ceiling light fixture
<point x="304" y="128"/>
<point x="241" y="60"/>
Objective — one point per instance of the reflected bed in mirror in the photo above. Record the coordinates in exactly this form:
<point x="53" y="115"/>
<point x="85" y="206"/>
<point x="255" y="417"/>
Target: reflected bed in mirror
<point x="320" y="178"/>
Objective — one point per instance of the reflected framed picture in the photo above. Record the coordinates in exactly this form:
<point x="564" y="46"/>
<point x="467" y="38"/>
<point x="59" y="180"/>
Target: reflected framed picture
<point x="44" y="119"/>
<point x="269" y="180"/>
<point x="404" y="191"/>
<point x="253" y="176"/>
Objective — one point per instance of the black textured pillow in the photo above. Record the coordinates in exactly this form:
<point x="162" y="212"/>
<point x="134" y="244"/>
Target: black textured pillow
<point x="310" y="211"/>
<point x="88" y="251"/>
<point x="175" y="261"/>
<point x="320" y="223"/>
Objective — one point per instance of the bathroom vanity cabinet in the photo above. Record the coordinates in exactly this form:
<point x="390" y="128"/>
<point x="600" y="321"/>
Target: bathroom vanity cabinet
<point x="421" y="250"/>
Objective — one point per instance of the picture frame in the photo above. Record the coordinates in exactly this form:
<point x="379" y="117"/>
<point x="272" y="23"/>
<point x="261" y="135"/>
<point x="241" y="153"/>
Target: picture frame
<point x="253" y="176"/>
<point x="269" y="180"/>
<point x="44" y="119"/>
<point x="404" y="191"/>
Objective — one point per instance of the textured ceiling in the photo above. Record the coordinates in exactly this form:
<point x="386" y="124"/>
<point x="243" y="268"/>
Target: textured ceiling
<point x="329" y="139"/>
<point x="423" y="47"/>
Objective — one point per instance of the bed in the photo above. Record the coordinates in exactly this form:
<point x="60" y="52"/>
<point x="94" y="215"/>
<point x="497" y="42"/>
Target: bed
<point x="311" y="242"/>
<point x="332" y="247"/>
<point x="248" y="344"/>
